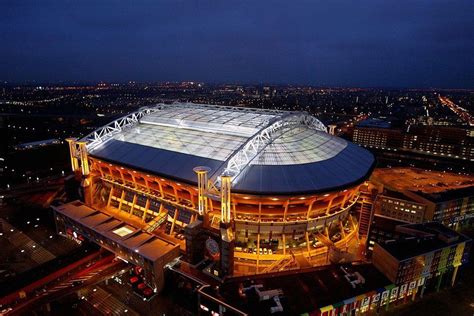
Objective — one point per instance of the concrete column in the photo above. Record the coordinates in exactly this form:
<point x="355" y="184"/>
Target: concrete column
<point x="422" y="290"/>
<point x="440" y="278"/>
<point x="72" y="153"/>
<point x="225" y="198"/>
<point x="202" y="173"/>
<point x="227" y="233"/>
<point x="455" y="273"/>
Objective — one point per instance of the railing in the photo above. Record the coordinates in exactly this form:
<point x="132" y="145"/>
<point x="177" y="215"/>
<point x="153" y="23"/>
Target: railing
<point x="305" y="220"/>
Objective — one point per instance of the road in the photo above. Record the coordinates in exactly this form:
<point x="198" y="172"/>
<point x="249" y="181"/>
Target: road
<point x="459" y="111"/>
<point x="62" y="282"/>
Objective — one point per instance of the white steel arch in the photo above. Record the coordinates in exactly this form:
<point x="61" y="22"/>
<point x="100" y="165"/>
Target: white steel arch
<point x="242" y="157"/>
<point x="106" y="132"/>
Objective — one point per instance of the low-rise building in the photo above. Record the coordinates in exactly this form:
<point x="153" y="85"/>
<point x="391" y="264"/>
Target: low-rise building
<point x="427" y="251"/>
<point x="130" y="243"/>
<point x="417" y="196"/>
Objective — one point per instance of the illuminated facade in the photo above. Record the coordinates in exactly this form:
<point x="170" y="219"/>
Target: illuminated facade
<point x="445" y="142"/>
<point x="271" y="184"/>
<point x="436" y="252"/>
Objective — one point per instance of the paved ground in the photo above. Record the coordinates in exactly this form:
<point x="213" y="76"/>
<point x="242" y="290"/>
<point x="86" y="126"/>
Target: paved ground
<point x="28" y="240"/>
<point x="100" y="299"/>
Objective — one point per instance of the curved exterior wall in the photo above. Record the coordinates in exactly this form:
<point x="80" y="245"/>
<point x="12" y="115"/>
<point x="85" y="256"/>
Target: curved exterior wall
<point x="291" y="214"/>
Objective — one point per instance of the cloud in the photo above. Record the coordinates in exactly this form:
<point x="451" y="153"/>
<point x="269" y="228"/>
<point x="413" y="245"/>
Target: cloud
<point x="394" y="43"/>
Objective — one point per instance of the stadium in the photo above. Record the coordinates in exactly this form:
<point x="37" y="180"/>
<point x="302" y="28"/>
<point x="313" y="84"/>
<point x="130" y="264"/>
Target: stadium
<point x="271" y="188"/>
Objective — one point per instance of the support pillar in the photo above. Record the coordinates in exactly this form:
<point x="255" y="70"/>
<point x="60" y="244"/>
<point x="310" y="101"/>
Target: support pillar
<point x="328" y="209"/>
<point x="86" y="183"/>
<point x="258" y="251"/>
<point x="72" y="154"/>
<point x="174" y="221"/>
<point x="422" y="290"/>
<point x="455" y="272"/>
<point x="438" y="285"/>
<point x="110" y="196"/>
<point x="147" y="206"/>
<point x="202" y="173"/>
<point x="227" y="233"/>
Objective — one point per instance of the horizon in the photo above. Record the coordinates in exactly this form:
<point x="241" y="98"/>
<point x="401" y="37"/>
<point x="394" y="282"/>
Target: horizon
<point x="33" y="83"/>
<point x="427" y="44"/>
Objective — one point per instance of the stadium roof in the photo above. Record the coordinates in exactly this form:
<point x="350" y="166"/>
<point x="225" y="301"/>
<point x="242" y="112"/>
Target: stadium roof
<point x="265" y="151"/>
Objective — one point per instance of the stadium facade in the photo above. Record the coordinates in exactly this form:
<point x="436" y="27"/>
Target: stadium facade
<point x="249" y="190"/>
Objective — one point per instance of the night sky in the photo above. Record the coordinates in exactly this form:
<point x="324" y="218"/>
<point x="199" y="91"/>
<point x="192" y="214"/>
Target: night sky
<point x="380" y="43"/>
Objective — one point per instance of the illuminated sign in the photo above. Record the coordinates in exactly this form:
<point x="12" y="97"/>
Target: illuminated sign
<point x="403" y="289"/>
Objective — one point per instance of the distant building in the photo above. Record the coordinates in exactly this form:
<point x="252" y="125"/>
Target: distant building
<point x="399" y="206"/>
<point x="416" y="196"/>
<point x="428" y="251"/>
<point x="440" y="143"/>
<point x="37" y="144"/>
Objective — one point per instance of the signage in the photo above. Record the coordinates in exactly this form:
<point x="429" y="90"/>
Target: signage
<point x="212" y="248"/>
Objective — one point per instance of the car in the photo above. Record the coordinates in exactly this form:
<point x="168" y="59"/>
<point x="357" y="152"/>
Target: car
<point x="141" y="286"/>
<point x="77" y="283"/>
<point x="133" y="280"/>
<point x="147" y="292"/>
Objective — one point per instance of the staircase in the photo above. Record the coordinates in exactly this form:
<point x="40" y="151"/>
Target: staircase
<point x="365" y="208"/>
<point x="280" y="265"/>
<point x="156" y="222"/>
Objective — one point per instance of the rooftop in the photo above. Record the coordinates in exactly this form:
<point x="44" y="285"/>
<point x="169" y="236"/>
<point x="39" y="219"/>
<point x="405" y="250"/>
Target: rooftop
<point x="421" y="181"/>
<point x="124" y="234"/>
<point x="275" y="152"/>
<point x="303" y="292"/>
<point x="449" y="194"/>
<point x="427" y="237"/>
<point x="375" y="123"/>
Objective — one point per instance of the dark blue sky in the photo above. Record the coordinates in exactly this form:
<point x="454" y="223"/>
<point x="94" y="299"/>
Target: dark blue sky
<point x="379" y="43"/>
